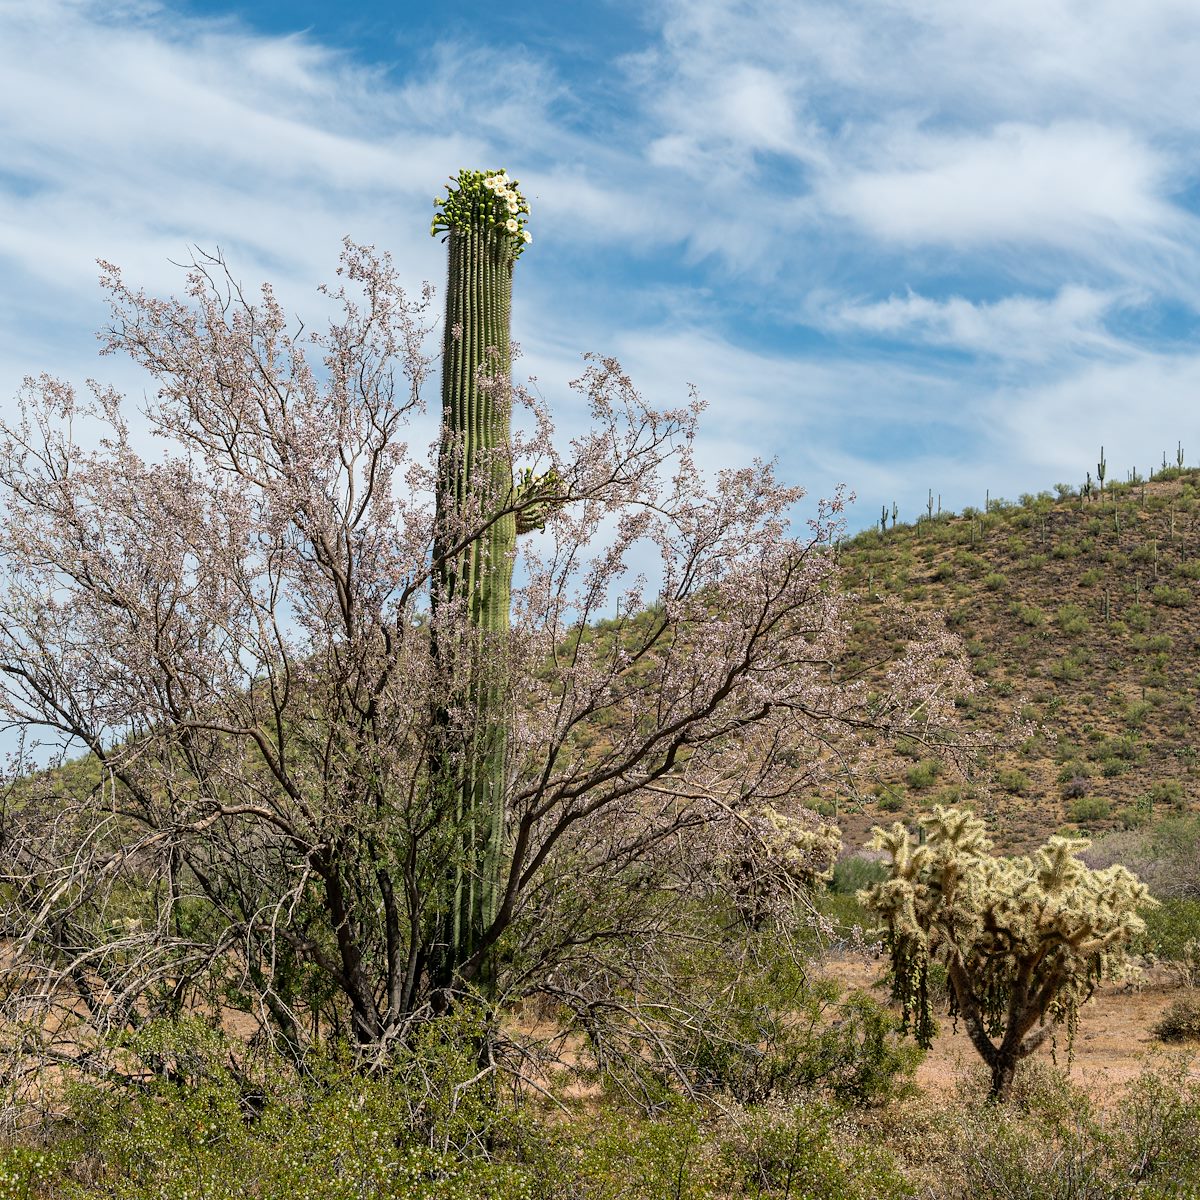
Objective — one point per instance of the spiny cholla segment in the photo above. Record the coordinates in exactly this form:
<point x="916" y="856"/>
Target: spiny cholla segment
<point x="484" y="199"/>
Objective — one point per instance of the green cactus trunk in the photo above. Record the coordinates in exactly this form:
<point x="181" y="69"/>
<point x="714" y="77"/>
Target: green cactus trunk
<point x="475" y="487"/>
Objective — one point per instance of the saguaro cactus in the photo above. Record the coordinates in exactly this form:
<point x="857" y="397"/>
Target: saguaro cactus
<point x="483" y="215"/>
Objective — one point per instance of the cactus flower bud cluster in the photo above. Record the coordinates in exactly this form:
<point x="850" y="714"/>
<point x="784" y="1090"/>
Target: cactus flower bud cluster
<point x="487" y="198"/>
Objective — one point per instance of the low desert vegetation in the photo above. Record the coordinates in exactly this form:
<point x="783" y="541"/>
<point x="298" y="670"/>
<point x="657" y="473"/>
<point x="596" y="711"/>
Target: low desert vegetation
<point x="438" y="1131"/>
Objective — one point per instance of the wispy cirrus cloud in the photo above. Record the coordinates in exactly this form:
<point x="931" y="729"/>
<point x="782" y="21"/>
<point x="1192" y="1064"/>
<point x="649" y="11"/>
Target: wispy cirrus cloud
<point x="927" y="124"/>
<point x="872" y="233"/>
<point x="1018" y="327"/>
<point x="1061" y="184"/>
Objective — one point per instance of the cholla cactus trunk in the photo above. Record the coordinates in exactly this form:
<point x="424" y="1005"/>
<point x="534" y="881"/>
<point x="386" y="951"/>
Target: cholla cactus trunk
<point x="474" y="575"/>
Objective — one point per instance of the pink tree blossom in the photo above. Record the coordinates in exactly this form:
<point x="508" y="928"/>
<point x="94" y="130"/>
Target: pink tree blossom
<point x="237" y="634"/>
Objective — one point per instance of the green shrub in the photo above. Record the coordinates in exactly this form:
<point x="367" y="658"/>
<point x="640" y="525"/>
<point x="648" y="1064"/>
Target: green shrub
<point x="959" y="618"/>
<point x="1089" y="808"/>
<point x="1156" y="1131"/>
<point x="1070" y="667"/>
<point x="1171" y="927"/>
<point x="1172" y="597"/>
<point x="924" y="774"/>
<point x="746" y="1022"/>
<point x="1132" y="817"/>
<point x="615" y="1154"/>
<point x="1029" y="614"/>
<point x="838" y="902"/>
<point x="994" y="581"/>
<point x="1126" y="747"/>
<point x="1013" y="780"/>
<point x="433" y="1127"/>
<point x="860" y="1058"/>
<point x="973" y="564"/>
<point x="1181" y="1021"/>
<point x="956" y="793"/>
<point x="1155" y="643"/>
<point x="1137" y="617"/>
<point x="418" y="1131"/>
<point x="806" y="1153"/>
<point x="848" y="921"/>
<point x="856" y="871"/>
<point x="1168" y="792"/>
<point x="1073" y="769"/>
<point x="1072" y="619"/>
<point x="28" y="1172"/>
<point x="1054" y="1144"/>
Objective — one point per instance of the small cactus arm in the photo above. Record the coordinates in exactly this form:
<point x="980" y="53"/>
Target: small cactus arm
<point x="535" y="496"/>
<point x="481" y="509"/>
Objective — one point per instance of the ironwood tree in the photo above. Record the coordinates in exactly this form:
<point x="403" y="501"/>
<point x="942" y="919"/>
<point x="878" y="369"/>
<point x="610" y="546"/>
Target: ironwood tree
<point x="256" y="639"/>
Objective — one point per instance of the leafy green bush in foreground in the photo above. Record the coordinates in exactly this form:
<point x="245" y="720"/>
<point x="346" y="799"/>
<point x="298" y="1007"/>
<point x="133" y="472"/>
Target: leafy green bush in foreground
<point x="338" y="1136"/>
<point x="345" y="1138"/>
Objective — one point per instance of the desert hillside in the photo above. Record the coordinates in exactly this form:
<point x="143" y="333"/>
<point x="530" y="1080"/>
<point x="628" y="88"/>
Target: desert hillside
<point x="1079" y="614"/>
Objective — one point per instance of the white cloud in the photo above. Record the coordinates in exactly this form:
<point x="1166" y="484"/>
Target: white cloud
<point x="135" y="139"/>
<point x="1021" y="328"/>
<point x="1022" y="60"/>
<point x="1062" y="125"/>
<point x="1136" y="409"/>
<point x="1062" y="183"/>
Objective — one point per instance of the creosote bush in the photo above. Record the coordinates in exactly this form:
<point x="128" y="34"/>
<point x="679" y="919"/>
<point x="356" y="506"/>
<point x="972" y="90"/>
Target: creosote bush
<point x="435" y="1128"/>
<point x="1181" y="1021"/>
<point x="333" y="1135"/>
<point x="738" y="1016"/>
<point x="1053" y="1143"/>
<point x="1089" y="808"/>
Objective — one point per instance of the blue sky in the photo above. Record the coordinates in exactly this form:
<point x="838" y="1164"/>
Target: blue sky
<point x="901" y="244"/>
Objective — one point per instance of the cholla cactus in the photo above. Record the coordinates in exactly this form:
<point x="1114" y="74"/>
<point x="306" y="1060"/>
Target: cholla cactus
<point x="1024" y="940"/>
<point x="772" y="854"/>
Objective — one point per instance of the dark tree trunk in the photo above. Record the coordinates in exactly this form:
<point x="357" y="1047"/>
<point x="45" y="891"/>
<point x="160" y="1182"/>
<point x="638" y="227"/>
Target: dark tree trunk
<point x="1004" y="1067"/>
